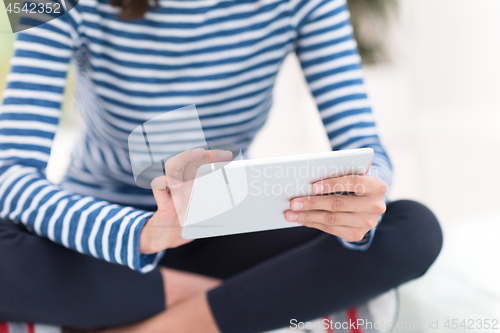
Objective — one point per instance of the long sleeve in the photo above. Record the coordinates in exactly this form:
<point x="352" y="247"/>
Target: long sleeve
<point x="328" y="54"/>
<point x="29" y="118"/>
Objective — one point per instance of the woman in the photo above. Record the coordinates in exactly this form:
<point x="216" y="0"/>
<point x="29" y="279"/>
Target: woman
<point x="135" y="61"/>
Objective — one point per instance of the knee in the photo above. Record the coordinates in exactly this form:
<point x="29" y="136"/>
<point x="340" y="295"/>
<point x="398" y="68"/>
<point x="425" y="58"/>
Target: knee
<point x="419" y="236"/>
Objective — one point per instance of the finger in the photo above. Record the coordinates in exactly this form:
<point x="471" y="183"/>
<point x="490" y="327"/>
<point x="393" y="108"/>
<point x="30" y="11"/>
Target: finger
<point x="359" y="185"/>
<point x="213" y="156"/>
<point x="159" y="183"/>
<point x="164" y="202"/>
<point x="180" y="160"/>
<point x="174" y="167"/>
<point x="201" y="155"/>
<point x="333" y="203"/>
<point x="191" y="160"/>
<point x="346" y="233"/>
<point x="331" y="218"/>
<point x="219" y="155"/>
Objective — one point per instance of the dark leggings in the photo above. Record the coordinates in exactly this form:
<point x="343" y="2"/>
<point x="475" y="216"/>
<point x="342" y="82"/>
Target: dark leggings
<point x="270" y="277"/>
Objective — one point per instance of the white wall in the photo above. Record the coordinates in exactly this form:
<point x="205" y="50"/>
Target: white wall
<point x="456" y="48"/>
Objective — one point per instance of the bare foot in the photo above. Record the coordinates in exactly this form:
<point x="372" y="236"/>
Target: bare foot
<point x="180" y="285"/>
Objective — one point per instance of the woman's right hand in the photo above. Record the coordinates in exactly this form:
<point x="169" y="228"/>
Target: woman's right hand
<point x="172" y="193"/>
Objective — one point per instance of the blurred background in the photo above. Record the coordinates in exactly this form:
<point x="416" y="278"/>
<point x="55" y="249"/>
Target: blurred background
<point x="432" y="70"/>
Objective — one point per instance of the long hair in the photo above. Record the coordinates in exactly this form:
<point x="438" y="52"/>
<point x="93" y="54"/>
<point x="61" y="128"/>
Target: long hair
<point x="133" y="9"/>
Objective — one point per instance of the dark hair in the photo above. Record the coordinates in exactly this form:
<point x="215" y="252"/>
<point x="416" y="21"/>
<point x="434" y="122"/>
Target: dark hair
<point x="133" y="9"/>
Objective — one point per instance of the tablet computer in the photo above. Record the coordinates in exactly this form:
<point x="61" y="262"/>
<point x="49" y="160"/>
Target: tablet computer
<point x="252" y="195"/>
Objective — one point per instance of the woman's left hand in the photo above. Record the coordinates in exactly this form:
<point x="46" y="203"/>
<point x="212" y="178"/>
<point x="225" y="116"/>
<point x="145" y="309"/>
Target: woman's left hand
<point x="349" y="217"/>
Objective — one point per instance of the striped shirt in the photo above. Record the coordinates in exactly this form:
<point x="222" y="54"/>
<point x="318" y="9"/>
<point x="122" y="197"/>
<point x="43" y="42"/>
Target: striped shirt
<point x="221" y="55"/>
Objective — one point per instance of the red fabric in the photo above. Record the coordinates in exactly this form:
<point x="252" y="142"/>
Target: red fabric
<point x="31" y="328"/>
<point x="4" y="328"/>
<point x="352" y="316"/>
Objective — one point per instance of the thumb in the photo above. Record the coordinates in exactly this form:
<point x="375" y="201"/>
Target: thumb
<point x="164" y="201"/>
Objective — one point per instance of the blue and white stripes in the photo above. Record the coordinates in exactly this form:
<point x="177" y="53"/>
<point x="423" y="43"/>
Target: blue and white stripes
<point x="221" y="55"/>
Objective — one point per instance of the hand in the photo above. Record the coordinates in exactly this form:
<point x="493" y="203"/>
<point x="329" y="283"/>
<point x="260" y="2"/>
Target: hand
<point x="172" y="193"/>
<point x="349" y="217"/>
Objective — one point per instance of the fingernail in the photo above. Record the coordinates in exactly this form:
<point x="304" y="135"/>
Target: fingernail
<point x="226" y="154"/>
<point x="159" y="183"/>
<point x="297" y="205"/>
<point x="291" y="216"/>
<point x="317" y="188"/>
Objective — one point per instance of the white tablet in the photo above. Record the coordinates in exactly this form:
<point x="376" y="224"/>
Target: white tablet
<point x="252" y="195"/>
